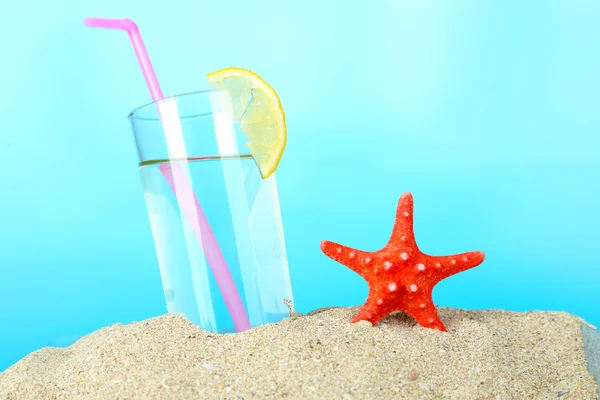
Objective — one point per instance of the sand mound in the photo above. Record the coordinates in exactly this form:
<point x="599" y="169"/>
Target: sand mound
<point x="322" y="355"/>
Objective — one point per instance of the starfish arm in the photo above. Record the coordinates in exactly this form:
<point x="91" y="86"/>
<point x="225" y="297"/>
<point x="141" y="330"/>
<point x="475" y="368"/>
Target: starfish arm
<point x="403" y="226"/>
<point x="451" y="265"/>
<point x="372" y="311"/>
<point x="428" y="317"/>
<point x="357" y="260"/>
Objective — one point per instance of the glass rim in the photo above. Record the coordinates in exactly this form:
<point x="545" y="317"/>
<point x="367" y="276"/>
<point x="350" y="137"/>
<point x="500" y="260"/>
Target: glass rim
<point x="143" y="106"/>
<point x="132" y="114"/>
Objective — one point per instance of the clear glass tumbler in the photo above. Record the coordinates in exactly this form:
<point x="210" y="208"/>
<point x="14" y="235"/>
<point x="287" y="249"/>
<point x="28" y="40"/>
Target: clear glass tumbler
<point x="216" y="222"/>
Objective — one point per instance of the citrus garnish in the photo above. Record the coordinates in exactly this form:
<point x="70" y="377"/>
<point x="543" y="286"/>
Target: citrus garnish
<point x="257" y="108"/>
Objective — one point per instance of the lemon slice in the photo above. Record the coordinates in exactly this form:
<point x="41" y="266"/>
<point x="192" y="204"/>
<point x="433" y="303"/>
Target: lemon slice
<point x="258" y="110"/>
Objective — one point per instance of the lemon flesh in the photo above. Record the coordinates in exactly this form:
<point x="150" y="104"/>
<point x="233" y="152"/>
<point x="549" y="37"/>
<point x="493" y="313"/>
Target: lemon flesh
<point x="257" y="108"/>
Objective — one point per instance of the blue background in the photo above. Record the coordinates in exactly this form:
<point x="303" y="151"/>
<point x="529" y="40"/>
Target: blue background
<point x="486" y="111"/>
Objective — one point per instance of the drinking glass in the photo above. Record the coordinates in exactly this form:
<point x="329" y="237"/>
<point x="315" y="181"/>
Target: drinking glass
<point x="197" y="169"/>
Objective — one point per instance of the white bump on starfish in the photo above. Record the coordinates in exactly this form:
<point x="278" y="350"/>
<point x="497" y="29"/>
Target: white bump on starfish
<point x="379" y="301"/>
<point x="387" y="265"/>
<point x="422" y="305"/>
<point x="453" y="262"/>
<point x="413" y="288"/>
<point x="421" y="267"/>
<point x="431" y="320"/>
<point x="392" y="287"/>
<point x="438" y="265"/>
<point x="403" y="238"/>
<point x="406" y="214"/>
<point x="351" y="254"/>
<point x="339" y="250"/>
<point x="404" y="256"/>
<point x="367" y="260"/>
<point x="465" y="259"/>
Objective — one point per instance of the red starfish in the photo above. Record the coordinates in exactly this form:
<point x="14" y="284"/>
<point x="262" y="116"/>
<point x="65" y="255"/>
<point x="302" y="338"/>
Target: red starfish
<point x="400" y="276"/>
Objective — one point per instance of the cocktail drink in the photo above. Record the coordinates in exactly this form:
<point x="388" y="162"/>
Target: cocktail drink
<point x="207" y="161"/>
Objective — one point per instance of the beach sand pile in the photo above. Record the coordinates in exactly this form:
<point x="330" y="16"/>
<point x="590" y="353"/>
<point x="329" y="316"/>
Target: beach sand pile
<point x="484" y="355"/>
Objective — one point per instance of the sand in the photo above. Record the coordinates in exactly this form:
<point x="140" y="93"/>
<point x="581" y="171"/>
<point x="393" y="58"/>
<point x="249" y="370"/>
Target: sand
<point x="484" y="355"/>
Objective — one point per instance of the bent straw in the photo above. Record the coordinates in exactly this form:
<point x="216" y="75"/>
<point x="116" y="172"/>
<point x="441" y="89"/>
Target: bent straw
<point x="185" y="193"/>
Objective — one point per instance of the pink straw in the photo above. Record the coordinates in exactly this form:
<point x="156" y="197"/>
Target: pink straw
<point x="185" y="195"/>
